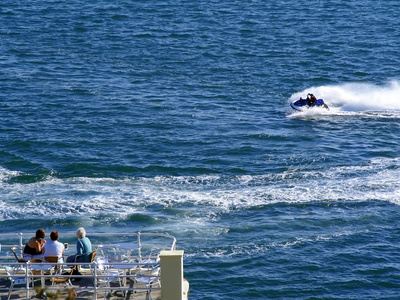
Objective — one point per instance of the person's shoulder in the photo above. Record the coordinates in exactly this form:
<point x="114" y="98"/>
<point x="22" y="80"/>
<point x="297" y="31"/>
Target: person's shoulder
<point x="49" y="244"/>
<point x="87" y="242"/>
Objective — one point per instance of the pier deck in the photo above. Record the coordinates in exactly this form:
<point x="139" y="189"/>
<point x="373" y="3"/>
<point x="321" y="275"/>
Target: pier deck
<point x="81" y="290"/>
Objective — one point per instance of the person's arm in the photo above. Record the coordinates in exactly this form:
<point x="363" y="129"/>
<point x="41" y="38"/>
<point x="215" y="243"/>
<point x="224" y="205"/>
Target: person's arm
<point x="79" y="248"/>
<point x="39" y="246"/>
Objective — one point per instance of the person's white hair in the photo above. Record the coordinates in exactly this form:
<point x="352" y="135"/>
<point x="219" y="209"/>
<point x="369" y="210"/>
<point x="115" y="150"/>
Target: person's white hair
<point x="81" y="232"/>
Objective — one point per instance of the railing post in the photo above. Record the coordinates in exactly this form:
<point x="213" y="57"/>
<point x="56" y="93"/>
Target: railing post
<point x="139" y="248"/>
<point x="95" y="280"/>
<point x="20" y="239"/>
<point x="27" y="278"/>
<point x="172" y="284"/>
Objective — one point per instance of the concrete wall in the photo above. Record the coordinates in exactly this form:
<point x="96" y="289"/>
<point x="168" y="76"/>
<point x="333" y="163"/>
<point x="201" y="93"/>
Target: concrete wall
<point x="173" y="286"/>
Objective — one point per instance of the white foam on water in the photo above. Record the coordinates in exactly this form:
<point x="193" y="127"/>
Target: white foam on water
<point x="198" y="199"/>
<point x="7" y="174"/>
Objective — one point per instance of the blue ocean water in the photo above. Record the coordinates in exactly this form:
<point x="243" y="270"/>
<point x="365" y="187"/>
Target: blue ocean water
<point x="174" y="116"/>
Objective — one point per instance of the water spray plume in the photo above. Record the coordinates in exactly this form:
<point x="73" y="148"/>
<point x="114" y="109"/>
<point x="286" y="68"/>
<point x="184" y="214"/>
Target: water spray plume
<point x="357" y="96"/>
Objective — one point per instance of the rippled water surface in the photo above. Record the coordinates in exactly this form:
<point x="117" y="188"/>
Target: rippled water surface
<point x="174" y="117"/>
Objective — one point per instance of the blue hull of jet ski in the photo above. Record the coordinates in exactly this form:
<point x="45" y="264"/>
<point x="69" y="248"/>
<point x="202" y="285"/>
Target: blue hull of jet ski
<point x="302" y="104"/>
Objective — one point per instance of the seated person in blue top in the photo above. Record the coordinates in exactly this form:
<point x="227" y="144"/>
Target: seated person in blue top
<point x="54" y="247"/>
<point x="34" y="247"/>
<point x="83" y="247"/>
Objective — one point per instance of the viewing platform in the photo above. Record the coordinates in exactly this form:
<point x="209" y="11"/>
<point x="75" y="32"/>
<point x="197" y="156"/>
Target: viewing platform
<point x="122" y="266"/>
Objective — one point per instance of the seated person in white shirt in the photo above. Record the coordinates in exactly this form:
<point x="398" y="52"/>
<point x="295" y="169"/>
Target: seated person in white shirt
<point x="54" y="247"/>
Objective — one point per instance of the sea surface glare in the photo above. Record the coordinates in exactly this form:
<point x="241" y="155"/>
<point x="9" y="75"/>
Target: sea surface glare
<point x="173" y="116"/>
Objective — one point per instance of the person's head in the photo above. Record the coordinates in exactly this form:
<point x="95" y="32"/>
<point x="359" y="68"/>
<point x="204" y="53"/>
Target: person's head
<point x="81" y="233"/>
<point x="40" y="234"/>
<point x="54" y="235"/>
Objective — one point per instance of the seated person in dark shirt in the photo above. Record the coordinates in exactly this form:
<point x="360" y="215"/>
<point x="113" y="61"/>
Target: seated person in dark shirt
<point x="34" y="247"/>
<point x="311" y="99"/>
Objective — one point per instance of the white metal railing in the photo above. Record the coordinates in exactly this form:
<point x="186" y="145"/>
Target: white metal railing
<point x="138" y="271"/>
<point x="131" y="277"/>
<point x="141" y="238"/>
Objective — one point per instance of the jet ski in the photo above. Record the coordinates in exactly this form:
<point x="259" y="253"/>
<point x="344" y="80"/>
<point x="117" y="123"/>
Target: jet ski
<point x="302" y="104"/>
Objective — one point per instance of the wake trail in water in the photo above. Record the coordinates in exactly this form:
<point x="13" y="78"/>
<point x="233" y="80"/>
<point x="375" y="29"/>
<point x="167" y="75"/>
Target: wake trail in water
<point x="198" y="196"/>
<point x="356" y="97"/>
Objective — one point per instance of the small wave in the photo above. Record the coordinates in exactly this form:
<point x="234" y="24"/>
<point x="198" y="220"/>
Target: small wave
<point x="7" y="174"/>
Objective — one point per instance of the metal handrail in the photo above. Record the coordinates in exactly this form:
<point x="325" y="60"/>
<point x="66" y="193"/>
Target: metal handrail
<point x="139" y="236"/>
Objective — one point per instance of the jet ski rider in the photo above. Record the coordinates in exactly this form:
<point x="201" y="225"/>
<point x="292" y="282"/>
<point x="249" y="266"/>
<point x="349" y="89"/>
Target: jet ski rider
<point x="311" y="99"/>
